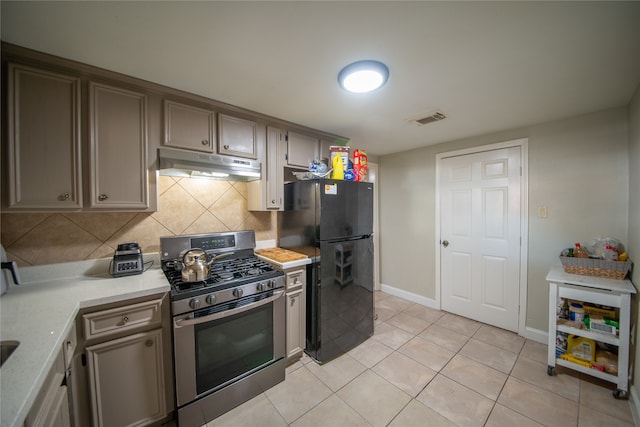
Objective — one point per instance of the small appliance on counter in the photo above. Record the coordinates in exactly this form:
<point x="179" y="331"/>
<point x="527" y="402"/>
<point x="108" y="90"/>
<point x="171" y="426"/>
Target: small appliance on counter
<point x="12" y="268"/>
<point x="127" y="261"/>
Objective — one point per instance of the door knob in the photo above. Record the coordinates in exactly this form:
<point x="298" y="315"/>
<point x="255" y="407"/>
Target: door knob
<point x="445" y="243"/>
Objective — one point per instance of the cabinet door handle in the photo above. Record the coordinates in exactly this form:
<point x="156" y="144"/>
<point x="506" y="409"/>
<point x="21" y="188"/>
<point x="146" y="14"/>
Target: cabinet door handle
<point x="103" y="197"/>
<point x="293" y="301"/>
<point x="149" y="343"/>
<point x="205" y="142"/>
<point x="65" y="196"/>
<point x="226" y="147"/>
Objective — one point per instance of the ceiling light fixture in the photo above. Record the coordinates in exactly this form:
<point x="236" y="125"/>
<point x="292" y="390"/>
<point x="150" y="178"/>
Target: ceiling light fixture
<point x="363" y="76"/>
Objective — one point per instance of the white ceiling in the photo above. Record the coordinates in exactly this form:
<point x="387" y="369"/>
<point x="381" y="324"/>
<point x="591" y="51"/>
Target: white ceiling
<point x="488" y="66"/>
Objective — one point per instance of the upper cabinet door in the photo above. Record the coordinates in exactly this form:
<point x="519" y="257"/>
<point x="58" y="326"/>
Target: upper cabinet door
<point x="44" y="155"/>
<point x="325" y="150"/>
<point x="301" y="150"/>
<point x="118" y="148"/>
<point x="237" y="137"/>
<point x="189" y="127"/>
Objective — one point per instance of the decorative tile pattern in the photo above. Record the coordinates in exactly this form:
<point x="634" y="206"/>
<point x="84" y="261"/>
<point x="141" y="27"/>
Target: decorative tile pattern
<point x="434" y="381"/>
<point x="377" y="400"/>
<point x="185" y="206"/>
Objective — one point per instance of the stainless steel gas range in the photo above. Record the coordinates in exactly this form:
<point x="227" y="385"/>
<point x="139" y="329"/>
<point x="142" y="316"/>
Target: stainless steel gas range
<point x="228" y="329"/>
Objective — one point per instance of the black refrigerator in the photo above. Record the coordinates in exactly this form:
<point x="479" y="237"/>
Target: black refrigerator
<point x="332" y="221"/>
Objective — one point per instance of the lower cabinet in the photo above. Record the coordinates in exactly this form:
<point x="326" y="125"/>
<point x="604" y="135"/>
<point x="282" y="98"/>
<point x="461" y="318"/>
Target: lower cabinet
<point x="51" y="408"/>
<point x="295" y="324"/>
<point x="126" y="380"/>
<point x="122" y="369"/>
<point x="296" y="313"/>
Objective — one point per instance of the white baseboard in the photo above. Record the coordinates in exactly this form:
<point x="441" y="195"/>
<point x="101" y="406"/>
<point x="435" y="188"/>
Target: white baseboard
<point x="410" y="296"/>
<point x="536" y="335"/>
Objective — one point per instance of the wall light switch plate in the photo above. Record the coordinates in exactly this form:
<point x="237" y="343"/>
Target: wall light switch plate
<point x="542" y="212"/>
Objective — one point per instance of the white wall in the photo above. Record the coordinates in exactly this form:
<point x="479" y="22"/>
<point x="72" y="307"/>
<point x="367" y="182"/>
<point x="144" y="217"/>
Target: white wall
<point x="633" y="245"/>
<point x="578" y="168"/>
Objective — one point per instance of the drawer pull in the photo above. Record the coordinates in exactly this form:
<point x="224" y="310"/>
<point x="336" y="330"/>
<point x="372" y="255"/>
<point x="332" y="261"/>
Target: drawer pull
<point x="149" y="343"/>
<point x="125" y="319"/>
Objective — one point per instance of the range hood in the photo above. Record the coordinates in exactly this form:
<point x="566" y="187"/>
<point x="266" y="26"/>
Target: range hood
<point x="185" y="163"/>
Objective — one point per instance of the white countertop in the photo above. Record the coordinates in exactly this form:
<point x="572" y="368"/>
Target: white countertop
<point x="40" y="313"/>
<point x="558" y="275"/>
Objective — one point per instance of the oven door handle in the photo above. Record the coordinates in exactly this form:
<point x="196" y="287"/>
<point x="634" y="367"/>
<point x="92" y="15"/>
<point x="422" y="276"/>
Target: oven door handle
<point x="178" y="323"/>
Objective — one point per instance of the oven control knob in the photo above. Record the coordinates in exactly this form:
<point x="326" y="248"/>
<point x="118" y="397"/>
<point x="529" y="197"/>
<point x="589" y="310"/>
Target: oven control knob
<point x="261" y="286"/>
<point x="194" y="303"/>
<point x="210" y="299"/>
<point x="237" y="292"/>
<point x="272" y="283"/>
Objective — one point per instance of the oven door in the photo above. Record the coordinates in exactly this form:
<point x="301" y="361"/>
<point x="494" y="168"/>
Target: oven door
<point x="217" y="346"/>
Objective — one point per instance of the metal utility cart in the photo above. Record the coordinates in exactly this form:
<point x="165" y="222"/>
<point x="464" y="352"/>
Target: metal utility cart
<point x="597" y="290"/>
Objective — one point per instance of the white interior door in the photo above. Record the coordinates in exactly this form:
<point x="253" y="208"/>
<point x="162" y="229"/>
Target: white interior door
<point x="480" y="236"/>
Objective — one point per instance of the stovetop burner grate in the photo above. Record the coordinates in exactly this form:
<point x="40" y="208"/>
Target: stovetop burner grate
<point x="225" y="271"/>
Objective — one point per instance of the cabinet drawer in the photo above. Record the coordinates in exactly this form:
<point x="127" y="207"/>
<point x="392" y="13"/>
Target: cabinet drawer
<point x="129" y="318"/>
<point x="295" y="279"/>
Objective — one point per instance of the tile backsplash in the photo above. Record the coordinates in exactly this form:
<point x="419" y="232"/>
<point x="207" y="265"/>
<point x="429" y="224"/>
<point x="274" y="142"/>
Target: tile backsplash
<point x="185" y="206"/>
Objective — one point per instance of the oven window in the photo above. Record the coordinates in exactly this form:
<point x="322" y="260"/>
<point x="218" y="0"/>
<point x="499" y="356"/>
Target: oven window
<point x="230" y="347"/>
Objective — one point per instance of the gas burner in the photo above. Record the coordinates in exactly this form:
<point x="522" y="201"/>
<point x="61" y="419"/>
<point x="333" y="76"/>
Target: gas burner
<point x="253" y="272"/>
<point x="225" y="275"/>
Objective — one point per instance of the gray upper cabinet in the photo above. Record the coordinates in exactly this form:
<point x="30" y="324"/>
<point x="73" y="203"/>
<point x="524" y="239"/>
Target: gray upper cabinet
<point x="325" y="150"/>
<point x="237" y="137"/>
<point x="117" y="148"/>
<point x="44" y="158"/>
<point x="301" y="150"/>
<point x="190" y="127"/>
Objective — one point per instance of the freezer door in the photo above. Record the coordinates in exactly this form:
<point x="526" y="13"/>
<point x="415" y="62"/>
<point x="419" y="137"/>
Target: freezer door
<point x="345" y="209"/>
<point x="341" y="308"/>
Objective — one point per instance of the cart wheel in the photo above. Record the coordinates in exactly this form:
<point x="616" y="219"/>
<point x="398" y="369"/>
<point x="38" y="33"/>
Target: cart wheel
<point x="620" y="394"/>
<point x="551" y="371"/>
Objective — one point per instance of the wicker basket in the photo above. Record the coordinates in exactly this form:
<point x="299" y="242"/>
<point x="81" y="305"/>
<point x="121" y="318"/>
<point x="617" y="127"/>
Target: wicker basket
<point x="596" y="267"/>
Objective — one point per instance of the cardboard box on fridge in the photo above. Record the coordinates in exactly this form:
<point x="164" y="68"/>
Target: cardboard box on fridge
<point x="343" y="152"/>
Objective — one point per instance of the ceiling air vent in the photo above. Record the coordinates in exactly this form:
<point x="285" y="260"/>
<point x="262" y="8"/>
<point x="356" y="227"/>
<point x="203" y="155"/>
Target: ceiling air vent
<point x="434" y="116"/>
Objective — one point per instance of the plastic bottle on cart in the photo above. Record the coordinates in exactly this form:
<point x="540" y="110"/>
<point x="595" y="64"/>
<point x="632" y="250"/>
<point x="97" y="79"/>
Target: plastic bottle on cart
<point x="580" y="252"/>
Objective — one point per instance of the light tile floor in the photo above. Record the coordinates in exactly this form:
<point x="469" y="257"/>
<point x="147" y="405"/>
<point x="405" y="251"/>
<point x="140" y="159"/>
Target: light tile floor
<point x="425" y="367"/>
